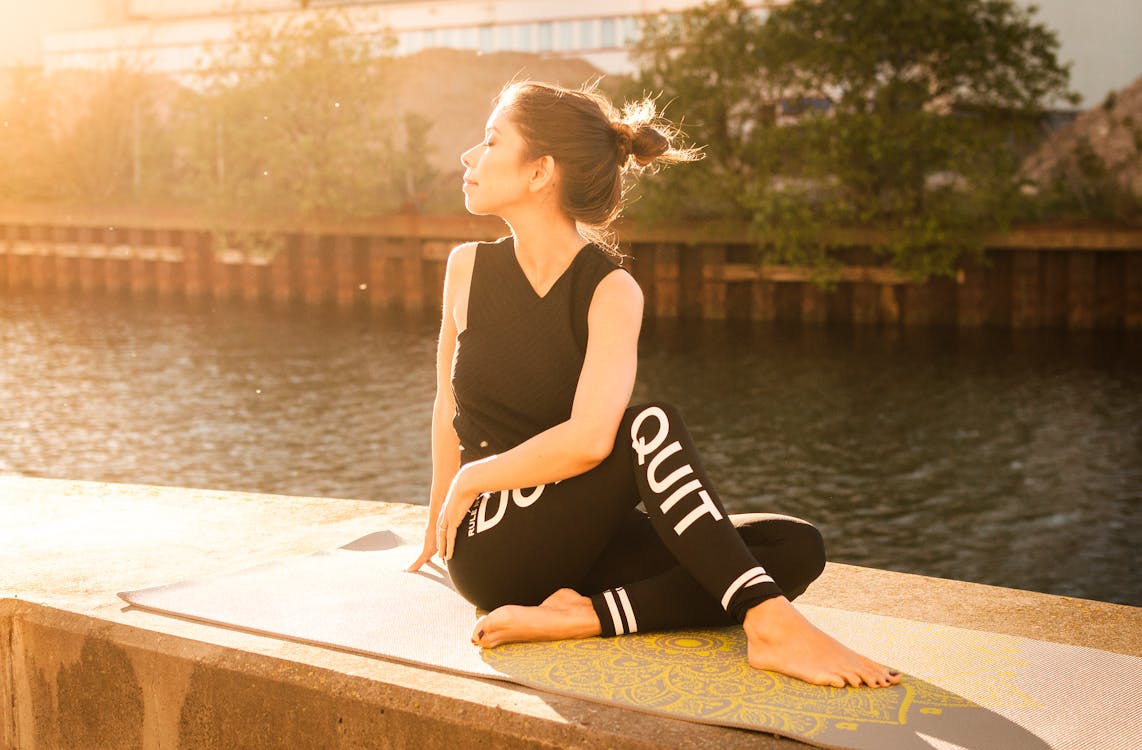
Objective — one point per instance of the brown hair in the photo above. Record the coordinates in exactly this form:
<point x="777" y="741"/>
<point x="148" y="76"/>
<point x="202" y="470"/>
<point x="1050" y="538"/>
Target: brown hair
<point x="594" y="145"/>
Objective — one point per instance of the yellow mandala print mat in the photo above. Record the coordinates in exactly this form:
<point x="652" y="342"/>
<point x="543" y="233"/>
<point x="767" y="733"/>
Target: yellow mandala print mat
<point x="963" y="688"/>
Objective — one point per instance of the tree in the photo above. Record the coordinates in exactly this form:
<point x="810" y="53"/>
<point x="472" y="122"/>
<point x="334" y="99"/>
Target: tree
<point x="292" y="124"/>
<point x="90" y="137"/>
<point x="705" y="65"/>
<point x="905" y="118"/>
<point x="25" y="138"/>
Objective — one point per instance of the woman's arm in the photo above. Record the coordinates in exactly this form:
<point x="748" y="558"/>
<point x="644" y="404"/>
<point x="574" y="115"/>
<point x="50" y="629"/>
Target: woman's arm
<point x="445" y="443"/>
<point x="583" y="441"/>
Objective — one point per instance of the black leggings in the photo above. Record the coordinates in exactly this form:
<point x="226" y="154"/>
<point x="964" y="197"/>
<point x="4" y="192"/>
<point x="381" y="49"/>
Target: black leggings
<point x="682" y="563"/>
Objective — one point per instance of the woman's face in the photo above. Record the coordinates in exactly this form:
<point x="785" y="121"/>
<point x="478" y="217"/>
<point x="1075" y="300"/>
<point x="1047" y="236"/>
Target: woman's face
<point x="496" y="173"/>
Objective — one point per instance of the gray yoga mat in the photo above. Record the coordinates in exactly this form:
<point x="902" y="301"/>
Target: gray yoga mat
<point x="963" y="688"/>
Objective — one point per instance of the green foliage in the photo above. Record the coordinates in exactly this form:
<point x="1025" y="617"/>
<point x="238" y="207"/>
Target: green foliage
<point x="1083" y="188"/>
<point x="706" y="64"/>
<point x="290" y="122"/>
<point x="92" y="138"/>
<point x="25" y="142"/>
<point x="1081" y="185"/>
<point x="907" y="118"/>
<point x="292" y="125"/>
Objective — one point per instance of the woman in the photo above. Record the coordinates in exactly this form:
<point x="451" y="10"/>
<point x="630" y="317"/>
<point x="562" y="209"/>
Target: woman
<point x="539" y="464"/>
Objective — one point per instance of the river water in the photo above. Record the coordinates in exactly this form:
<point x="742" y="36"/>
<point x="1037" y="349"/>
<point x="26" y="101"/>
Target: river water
<point x="1010" y="458"/>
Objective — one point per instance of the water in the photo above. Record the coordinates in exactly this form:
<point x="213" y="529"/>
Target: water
<point x="1011" y="458"/>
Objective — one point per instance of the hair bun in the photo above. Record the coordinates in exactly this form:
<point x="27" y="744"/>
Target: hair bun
<point x="645" y="143"/>
<point x="624" y="140"/>
<point x="648" y="144"/>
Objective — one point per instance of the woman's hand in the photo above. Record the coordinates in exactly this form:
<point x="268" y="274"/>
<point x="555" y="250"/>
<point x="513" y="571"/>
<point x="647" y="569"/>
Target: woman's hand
<point x="456" y="504"/>
<point x="426" y="551"/>
<point x="440" y="536"/>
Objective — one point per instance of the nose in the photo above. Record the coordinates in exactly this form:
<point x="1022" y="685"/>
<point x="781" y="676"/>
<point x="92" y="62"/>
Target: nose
<point x="466" y="157"/>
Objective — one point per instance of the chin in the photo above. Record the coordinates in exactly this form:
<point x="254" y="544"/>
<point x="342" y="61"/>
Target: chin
<point x="474" y="208"/>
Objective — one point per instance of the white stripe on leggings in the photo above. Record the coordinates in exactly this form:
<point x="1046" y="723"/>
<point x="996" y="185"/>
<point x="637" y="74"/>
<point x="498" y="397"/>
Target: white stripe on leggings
<point x="679" y="493"/>
<point x="614" y="612"/>
<point x="627" y="610"/>
<point x="748" y="578"/>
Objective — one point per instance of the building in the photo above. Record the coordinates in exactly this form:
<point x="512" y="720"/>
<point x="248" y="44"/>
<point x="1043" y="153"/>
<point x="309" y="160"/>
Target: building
<point x="170" y="36"/>
<point x="1099" y="36"/>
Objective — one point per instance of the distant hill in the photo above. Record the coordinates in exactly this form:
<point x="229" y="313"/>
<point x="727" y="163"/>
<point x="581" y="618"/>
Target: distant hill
<point x="1112" y="131"/>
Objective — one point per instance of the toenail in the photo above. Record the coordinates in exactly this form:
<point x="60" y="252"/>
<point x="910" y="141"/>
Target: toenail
<point x="893" y="673"/>
<point x="480" y="634"/>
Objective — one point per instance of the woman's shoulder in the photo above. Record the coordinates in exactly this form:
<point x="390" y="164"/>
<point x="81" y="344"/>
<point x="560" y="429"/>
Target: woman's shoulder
<point x="463" y="256"/>
<point x="600" y="265"/>
<point x="613" y="284"/>
<point x="618" y="283"/>
<point x="461" y="260"/>
<point x="466" y="251"/>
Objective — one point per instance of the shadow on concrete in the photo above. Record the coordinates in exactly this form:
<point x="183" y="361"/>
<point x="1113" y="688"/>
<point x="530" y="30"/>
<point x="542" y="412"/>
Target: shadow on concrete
<point x="375" y="542"/>
<point x="435" y="572"/>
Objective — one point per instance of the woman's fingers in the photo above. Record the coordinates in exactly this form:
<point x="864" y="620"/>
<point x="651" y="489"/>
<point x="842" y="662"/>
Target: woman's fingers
<point x="420" y="561"/>
<point x="442" y="540"/>
<point x="447" y="526"/>
<point x="450" y="542"/>
<point x="426" y="554"/>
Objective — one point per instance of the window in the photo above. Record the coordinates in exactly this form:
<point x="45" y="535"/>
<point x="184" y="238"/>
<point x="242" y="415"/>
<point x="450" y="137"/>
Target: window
<point x="428" y="38"/>
<point x="631" y="31"/>
<point x="407" y="43"/>
<point x="525" y="38"/>
<point x="486" y="40"/>
<point x="468" y="38"/>
<point x="566" y="35"/>
<point x="545" y="36"/>
<point x="607" y="31"/>
<point x="587" y="34"/>
<point x="506" y="37"/>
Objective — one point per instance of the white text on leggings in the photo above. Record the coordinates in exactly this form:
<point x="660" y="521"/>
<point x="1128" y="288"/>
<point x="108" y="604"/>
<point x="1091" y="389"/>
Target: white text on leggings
<point x="677" y="478"/>
<point x="478" y="519"/>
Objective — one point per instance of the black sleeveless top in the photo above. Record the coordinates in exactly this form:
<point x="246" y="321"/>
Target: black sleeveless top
<point x="517" y="363"/>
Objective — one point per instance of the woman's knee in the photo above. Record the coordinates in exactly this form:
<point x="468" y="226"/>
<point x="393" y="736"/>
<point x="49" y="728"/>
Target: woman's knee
<point x="651" y="425"/>
<point x="658" y="409"/>
<point x="792" y="550"/>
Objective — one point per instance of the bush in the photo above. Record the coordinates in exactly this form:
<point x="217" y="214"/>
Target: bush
<point x="905" y="118"/>
<point x="292" y="123"/>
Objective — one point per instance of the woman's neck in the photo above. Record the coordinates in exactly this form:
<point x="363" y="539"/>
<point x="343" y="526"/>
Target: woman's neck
<point x="545" y="244"/>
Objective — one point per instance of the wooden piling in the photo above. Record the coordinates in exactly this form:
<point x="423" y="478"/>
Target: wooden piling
<point x="1029" y="279"/>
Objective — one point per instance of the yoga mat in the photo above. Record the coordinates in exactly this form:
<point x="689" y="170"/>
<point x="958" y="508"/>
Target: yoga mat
<point x="962" y="688"/>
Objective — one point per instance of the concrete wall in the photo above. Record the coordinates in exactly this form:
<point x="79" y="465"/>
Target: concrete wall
<point x="81" y="671"/>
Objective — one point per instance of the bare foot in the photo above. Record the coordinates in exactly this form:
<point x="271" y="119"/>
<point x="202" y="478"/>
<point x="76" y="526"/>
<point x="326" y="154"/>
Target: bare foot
<point x="564" y="614"/>
<point x="781" y="640"/>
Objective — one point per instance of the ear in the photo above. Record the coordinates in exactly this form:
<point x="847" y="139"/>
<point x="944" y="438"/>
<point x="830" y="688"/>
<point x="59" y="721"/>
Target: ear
<point x="542" y="174"/>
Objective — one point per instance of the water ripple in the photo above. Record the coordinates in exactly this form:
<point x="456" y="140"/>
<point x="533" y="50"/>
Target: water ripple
<point x="992" y="456"/>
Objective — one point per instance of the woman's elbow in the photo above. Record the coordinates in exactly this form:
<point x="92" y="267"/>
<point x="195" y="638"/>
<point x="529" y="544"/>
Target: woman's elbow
<point x="597" y="446"/>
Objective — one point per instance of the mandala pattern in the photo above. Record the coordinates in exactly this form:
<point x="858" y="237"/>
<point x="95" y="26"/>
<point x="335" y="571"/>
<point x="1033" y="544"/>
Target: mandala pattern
<point x="703" y="675"/>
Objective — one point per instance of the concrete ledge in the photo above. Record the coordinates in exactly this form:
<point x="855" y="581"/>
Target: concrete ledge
<point x="80" y="670"/>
